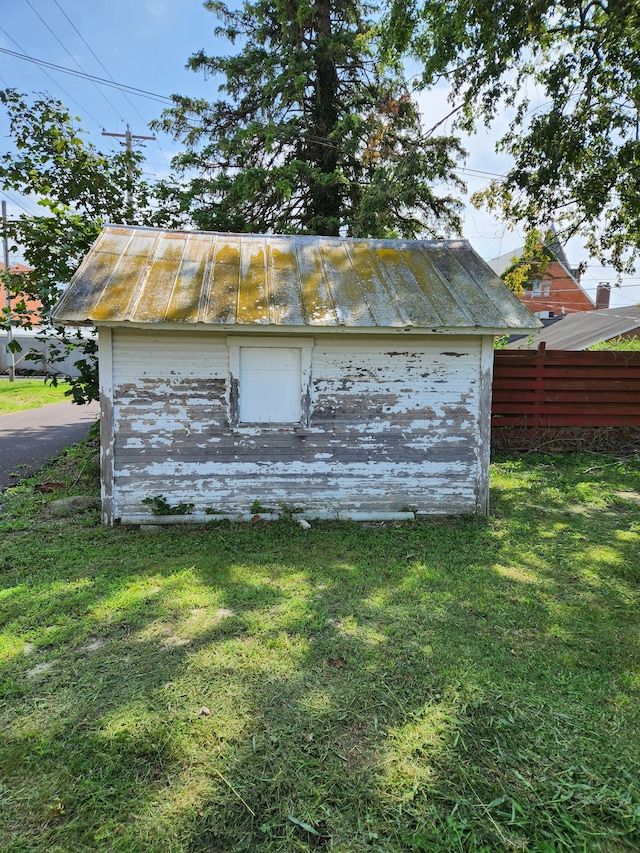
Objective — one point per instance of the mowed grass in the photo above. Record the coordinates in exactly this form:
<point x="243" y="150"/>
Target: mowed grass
<point x="28" y="394"/>
<point x="459" y="685"/>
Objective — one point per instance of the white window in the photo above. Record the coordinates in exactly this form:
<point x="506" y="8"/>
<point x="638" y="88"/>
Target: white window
<point x="538" y="288"/>
<point x="270" y="380"/>
<point x="270" y="385"/>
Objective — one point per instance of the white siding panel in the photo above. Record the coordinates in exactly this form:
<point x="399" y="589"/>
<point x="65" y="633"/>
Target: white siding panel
<point x="393" y="424"/>
<point x="170" y="354"/>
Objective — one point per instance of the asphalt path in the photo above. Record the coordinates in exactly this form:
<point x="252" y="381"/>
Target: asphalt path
<point x="30" y="438"/>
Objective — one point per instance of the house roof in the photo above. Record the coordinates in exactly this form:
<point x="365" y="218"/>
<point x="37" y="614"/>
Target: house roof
<point x="555" y="246"/>
<point x="583" y="329"/>
<point x="148" y="276"/>
<point x="16" y="268"/>
<point x="502" y="263"/>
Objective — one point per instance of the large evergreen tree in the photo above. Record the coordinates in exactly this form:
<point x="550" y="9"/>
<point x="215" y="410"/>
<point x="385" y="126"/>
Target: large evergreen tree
<point x="311" y="135"/>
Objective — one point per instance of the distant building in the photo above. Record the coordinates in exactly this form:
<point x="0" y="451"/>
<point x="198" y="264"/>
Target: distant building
<point x="582" y="330"/>
<point x="556" y="292"/>
<point x="34" y="306"/>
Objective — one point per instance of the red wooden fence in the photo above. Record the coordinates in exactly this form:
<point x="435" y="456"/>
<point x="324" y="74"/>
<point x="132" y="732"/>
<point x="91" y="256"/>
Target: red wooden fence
<point x="562" y="388"/>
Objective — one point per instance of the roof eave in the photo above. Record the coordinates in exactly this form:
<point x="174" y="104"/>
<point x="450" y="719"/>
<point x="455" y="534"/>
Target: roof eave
<point x="272" y="329"/>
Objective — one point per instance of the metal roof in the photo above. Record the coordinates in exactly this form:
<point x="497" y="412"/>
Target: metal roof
<point x="150" y="276"/>
<point x="585" y="328"/>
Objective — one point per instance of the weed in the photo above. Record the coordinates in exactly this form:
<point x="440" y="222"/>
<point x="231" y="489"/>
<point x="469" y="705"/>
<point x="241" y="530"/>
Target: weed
<point x="257" y="508"/>
<point x="161" y="506"/>
<point x="287" y="512"/>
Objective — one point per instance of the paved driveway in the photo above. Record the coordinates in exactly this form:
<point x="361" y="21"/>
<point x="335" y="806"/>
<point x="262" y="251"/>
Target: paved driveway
<point x="32" y="437"/>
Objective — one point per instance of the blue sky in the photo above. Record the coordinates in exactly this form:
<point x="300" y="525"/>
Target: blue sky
<point x="145" y="44"/>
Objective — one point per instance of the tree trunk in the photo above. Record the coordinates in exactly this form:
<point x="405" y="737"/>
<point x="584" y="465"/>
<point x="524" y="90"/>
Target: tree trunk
<point x="325" y="192"/>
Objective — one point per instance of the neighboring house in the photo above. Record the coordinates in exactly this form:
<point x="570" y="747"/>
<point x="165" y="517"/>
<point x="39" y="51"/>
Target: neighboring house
<point x="556" y="291"/>
<point x="581" y="331"/>
<point x="33" y="306"/>
<point x="337" y="377"/>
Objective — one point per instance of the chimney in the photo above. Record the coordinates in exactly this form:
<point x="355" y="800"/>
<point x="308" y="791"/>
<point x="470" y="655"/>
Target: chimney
<point x="603" y="294"/>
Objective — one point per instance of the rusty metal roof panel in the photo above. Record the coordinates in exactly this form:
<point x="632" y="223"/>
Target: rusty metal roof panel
<point x="432" y="290"/>
<point x="150" y="276"/>
<point x="286" y="306"/>
<point x="184" y="303"/>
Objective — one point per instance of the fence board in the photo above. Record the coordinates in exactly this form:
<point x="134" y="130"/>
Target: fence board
<point x="563" y="388"/>
<point x="557" y="422"/>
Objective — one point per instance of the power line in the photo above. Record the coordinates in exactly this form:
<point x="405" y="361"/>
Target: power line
<point x="53" y="80"/>
<point x="17" y="203"/>
<point x="481" y="172"/>
<point x="97" y="59"/>
<point x="106" y="71"/>
<point x="123" y="87"/>
<point x="100" y="63"/>
<point x="585" y="287"/>
<point x="64" y="47"/>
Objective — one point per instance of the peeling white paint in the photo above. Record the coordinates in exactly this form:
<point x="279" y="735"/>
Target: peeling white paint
<point x="134" y="442"/>
<point x="387" y="431"/>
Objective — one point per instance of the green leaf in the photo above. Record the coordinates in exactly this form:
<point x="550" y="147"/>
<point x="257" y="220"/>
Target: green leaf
<point x="306" y="826"/>
<point x="76" y="187"/>
<point x="575" y="156"/>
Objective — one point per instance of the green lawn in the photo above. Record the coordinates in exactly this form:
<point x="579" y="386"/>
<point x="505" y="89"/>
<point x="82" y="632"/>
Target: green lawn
<point x="451" y="686"/>
<point x="28" y="394"/>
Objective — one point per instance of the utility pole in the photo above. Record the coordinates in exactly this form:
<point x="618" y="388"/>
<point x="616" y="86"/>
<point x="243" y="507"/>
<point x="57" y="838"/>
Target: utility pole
<point x="128" y="144"/>
<point x="11" y="359"/>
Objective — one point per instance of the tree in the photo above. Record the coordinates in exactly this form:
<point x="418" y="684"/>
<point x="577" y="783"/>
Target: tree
<point x="576" y="154"/>
<point x="532" y="260"/>
<point x="79" y="188"/>
<point x="620" y="343"/>
<point x="312" y="136"/>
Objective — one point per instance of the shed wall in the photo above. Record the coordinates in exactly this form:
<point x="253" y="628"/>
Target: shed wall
<point x="393" y="424"/>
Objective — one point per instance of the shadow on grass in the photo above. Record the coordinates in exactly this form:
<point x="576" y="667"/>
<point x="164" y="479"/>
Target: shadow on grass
<point x="451" y="687"/>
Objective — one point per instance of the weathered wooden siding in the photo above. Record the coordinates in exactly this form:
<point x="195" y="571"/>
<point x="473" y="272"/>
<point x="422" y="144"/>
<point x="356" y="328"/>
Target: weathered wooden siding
<point x="393" y="424"/>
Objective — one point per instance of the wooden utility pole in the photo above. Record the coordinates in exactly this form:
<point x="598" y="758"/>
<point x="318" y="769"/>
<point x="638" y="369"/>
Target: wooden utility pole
<point x="128" y="144"/>
<point x="11" y="360"/>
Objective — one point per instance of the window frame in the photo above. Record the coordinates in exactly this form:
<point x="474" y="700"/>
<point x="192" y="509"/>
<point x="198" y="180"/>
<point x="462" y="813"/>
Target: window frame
<point x="237" y="342"/>
<point x="539" y="289"/>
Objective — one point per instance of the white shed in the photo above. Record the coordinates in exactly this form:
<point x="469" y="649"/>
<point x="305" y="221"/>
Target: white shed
<point x="334" y="377"/>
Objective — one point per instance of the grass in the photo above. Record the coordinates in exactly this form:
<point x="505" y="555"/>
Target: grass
<point x="450" y="686"/>
<point x="28" y="394"/>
